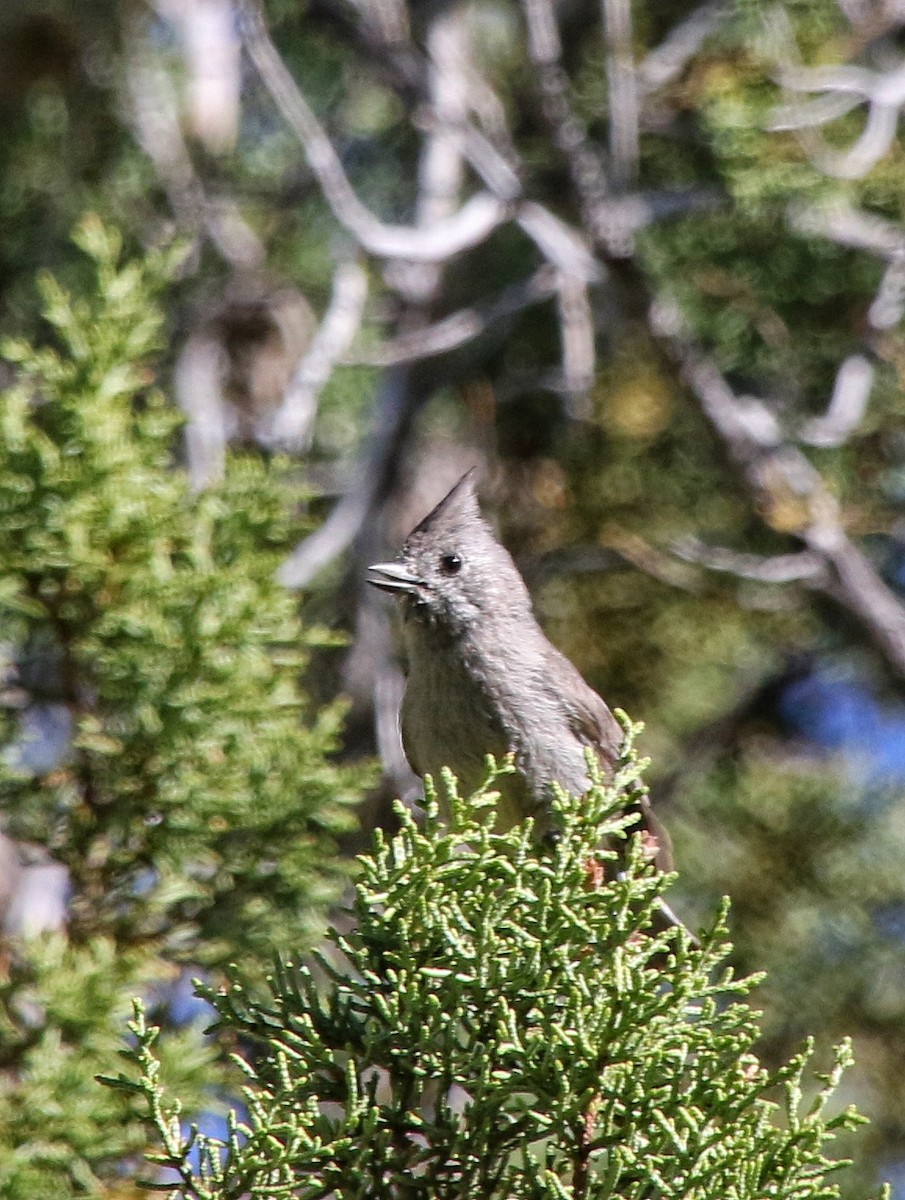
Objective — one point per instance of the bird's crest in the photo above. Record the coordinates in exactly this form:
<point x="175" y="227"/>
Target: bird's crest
<point x="458" y="507"/>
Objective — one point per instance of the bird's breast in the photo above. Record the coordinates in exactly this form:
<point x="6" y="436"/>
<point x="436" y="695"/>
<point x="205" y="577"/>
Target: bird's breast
<point x="463" y="702"/>
<point x="449" y="719"/>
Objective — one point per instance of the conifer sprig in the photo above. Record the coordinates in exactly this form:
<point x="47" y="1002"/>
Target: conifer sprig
<point x="493" y="1024"/>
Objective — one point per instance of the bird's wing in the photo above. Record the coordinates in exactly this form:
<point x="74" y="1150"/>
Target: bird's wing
<point x="594" y="725"/>
<point x="409" y="744"/>
<point x="589" y="717"/>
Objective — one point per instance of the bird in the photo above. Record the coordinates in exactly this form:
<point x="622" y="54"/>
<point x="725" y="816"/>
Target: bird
<point x="483" y="678"/>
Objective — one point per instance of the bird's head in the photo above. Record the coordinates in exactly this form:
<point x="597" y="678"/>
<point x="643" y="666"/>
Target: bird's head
<point x="452" y="573"/>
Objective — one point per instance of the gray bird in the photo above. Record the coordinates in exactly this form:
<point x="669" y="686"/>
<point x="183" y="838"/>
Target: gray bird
<point x="482" y="676"/>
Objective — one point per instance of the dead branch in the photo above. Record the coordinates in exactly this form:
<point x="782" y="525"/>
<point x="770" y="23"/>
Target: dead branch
<point x="576" y="326"/>
<point x="848" y="226"/>
<point x="467" y="227"/>
<point x="838" y="90"/>
<point x="292" y="421"/>
<point x="667" y="61"/>
<point x="801" y="567"/>
<point x="622" y="90"/>
<point x="439" y="178"/>
<point x="779" y="476"/>
<point x="458" y="328"/>
<point x="847" y="406"/>
<point x="197" y="383"/>
<point x="153" y="112"/>
<point x="212" y="56"/>
<point x="568" y="132"/>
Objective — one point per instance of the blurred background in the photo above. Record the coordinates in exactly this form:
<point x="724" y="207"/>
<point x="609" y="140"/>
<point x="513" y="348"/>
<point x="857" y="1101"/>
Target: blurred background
<point x="641" y="262"/>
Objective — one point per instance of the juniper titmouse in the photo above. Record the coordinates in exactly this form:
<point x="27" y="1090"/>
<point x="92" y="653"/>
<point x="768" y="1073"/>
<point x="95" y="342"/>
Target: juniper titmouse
<point x="483" y="678"/>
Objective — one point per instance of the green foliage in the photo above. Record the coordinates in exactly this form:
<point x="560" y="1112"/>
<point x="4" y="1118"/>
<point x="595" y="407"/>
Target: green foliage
<point x="502" y="1022"/>
<point x="817" y="872"/>
<point x="175" y="651"/>
<point x="779" y="309"/>
<point x="197" y="808"/>
<point x="62" y="1012"/>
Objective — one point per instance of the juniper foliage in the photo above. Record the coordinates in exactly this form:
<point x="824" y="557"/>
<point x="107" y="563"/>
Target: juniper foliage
<point x="503" y="1022"/>
<point x="195" y="806"/>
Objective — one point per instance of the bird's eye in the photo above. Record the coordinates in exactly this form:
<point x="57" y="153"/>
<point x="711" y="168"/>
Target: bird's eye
<point x="450" y="564"/>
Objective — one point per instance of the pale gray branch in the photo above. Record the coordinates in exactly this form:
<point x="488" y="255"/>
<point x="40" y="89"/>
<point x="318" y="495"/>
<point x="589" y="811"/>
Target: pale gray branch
<point x="460" y="327"/>
<point x="783" y="482"/>
<point x="848" y="226"/>
<point x="393" y="408"/>
<point x="888" y="306"/>
<point x="568" y="131"/>
<point x="440" y="176"/>
<point x="197" y="383"/>
<point x="667" y="61"/>
<point x="576" y="325"/>
<point x="802" y="567"/>
<point x="388" y="18"/>
<point x="622" y="91"/>
<point x="292" y="421"/>
<point x="839" y="89"/>
<point x="497" y="170"/>
<point x="155" y="118"/>
<point x="565" y="247"/>
<point x="847" y="406"/>
<point x="212" y="55"/>
<point x="467" y="227"/>
<point x="805" y="114"/>
<point x="328" y="541"/>
<point x="441" y="166"/>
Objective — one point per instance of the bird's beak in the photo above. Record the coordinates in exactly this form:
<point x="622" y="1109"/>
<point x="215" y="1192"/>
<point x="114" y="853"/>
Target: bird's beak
<point x="393" y="577"/>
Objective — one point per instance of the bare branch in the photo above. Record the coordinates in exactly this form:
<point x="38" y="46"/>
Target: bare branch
<point x="888" y="306"/>
<point x="745" y="424"/>
<point x="847" y="407"/>
<point x="197" y="383"/>
<point x="859" y="230"/>
<point x="460" y="327"/>
<point x="783" y="483"/>
<point x="329" y="540"/>
<point x="490" y="112"/>
<point x="576" y="325"/>
<point x="564" y="246"/>
<point x="155" y="119"/>
<point x="567" y="130"/>
<point x="212" y="55"/>
<point x="611" y="221"/>
<point x="292" y="421"/>
<point x="653" y="562"/>
<point x="468" y="227"/>
<point x="848" y="226"/>
<point x="396" y="400"/>
<point x="840" y="89"/>
<point x="388" y="18"/>
<point x="389" y="688"/>
<point x="498" y="171"/>
<point x="439" y="178"/>
<point x="802" y="567"/>
<point x="441" y="167"/>
<point x="667" y="62"/>
<point x="622" y="91"/>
